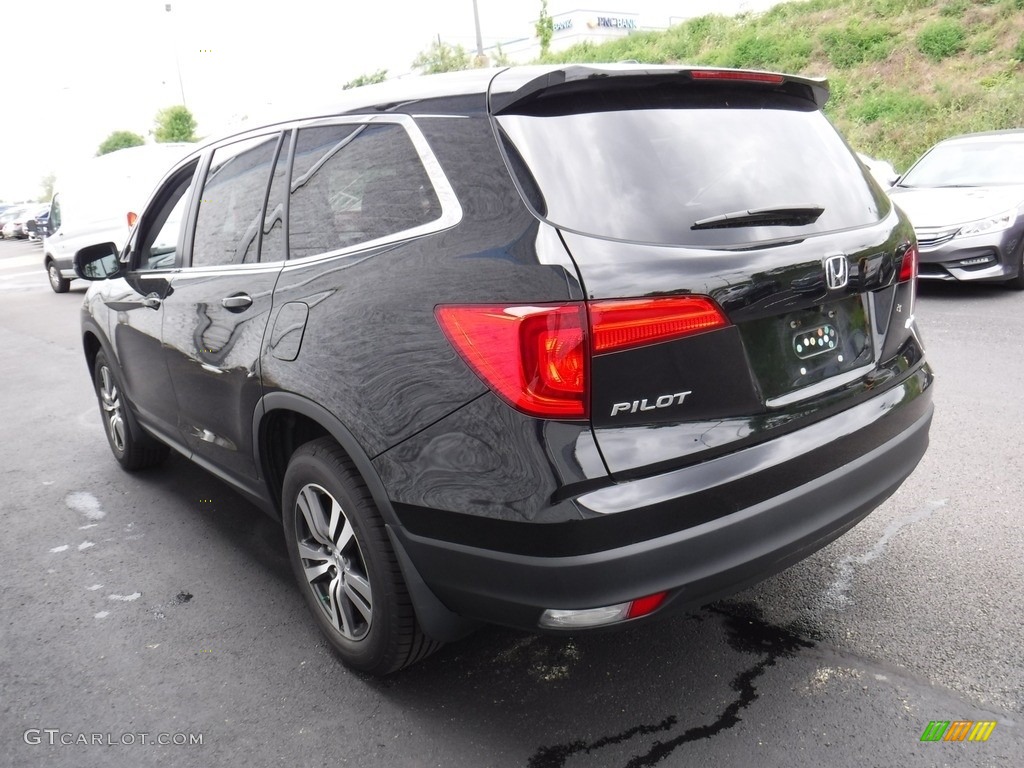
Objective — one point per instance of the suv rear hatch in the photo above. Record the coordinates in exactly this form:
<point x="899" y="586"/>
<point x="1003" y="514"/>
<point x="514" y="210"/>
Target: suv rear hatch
<point x="726" y="196"/>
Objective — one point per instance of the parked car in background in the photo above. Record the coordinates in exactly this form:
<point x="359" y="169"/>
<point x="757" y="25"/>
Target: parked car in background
<point x="965" y="198"/>
<point x="14" y="226"/>
<point x="882" y="170"/>
<point x="92" y="202"/>
<point x="7" y="217"/>
<point x="35" y="223"/>
<point x="557" y="348"/>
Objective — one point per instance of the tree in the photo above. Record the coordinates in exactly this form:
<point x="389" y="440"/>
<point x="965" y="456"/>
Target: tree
<point x="47" y="183"/>
<point x="499" y="58"/>
<point x="377" y="77"/>
<point x="545" y="28"/>
<point x="441" y="57"/>
<point x="119" y="140"/>
<point x="174" y="124"/>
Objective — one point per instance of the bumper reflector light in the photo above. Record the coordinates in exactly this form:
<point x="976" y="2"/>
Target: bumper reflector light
<point x="585" y="618"/>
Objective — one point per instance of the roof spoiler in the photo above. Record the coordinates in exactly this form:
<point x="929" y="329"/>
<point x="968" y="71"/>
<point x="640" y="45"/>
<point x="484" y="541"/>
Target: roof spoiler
<point x="530" y="82"/>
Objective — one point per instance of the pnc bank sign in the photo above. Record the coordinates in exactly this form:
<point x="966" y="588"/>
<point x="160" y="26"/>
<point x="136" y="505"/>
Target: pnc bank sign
<point x="613" y="22"/>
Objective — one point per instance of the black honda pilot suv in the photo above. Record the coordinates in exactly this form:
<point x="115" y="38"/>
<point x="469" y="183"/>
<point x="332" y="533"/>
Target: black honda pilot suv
<point x="550" y="347"/>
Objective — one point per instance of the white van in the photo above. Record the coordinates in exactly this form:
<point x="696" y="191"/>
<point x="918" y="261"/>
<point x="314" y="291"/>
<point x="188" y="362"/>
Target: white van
<point x="92" y="200"/>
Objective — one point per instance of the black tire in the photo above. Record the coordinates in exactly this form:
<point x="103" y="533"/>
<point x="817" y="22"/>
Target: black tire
<point x="348" y="572"/>
<point x="58" y="282"/>
<point x="132" y="448"/>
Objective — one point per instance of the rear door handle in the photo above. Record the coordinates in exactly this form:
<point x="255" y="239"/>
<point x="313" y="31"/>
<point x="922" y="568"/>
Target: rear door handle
<point x="236" y="303"/>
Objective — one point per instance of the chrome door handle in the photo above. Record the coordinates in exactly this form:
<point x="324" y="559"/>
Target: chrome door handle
<point x="239" y="302"/>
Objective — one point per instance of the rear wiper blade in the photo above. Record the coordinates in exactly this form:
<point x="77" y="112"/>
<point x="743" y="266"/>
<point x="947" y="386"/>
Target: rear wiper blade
<point x="788" y="216"/>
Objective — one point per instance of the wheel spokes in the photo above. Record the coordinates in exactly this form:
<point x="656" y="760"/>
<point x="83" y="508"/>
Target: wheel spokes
<point x="332" y="562"/>
<point x="313" y="513"/>
<point x="315" y="562"/>
<point x="357" y="589"/>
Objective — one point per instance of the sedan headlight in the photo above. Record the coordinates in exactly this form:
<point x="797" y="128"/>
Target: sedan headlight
<point x="995" y="223"/>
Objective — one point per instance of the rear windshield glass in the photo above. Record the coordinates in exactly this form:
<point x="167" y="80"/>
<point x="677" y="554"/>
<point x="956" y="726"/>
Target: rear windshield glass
<point x="648" y="169"/>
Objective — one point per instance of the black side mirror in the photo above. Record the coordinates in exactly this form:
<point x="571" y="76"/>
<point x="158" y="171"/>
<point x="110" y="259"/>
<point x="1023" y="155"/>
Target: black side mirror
<point x="97" y="262"/>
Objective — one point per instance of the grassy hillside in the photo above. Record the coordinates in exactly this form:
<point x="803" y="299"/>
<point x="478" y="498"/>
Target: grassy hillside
<point x="903" y="73"/>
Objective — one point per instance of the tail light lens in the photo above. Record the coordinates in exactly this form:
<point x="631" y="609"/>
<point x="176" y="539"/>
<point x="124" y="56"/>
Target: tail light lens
<point x="533" y="357"/>
<point x="537" y="358"/>
<point x="738" y="76"/>
<point x="908" y="269"/>
<point x="618" y="325"/>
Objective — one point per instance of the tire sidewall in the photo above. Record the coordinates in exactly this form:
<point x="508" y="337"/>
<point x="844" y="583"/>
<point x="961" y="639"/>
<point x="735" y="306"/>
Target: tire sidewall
<point x="57" y="281"/>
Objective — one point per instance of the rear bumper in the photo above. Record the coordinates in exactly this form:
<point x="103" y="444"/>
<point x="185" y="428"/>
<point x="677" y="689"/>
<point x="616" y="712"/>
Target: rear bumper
<point x="704" y="557"/>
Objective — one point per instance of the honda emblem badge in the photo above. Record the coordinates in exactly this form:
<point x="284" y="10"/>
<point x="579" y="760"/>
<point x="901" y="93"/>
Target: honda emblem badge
<point x="837" y="272"/>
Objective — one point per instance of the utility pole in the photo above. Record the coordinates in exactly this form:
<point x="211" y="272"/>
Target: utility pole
<point x="177" y="61"/>
<point x="479" y="39"/>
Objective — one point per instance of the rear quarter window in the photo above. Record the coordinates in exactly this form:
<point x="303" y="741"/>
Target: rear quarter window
<point x="353" y="183"/>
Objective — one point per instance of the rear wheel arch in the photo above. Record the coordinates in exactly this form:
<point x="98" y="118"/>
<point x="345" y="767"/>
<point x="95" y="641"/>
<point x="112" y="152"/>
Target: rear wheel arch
<point x="284" y="422"/>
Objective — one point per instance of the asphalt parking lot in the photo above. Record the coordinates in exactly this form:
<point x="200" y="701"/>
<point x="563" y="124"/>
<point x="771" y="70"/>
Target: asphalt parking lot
<point x="159" y="607"/>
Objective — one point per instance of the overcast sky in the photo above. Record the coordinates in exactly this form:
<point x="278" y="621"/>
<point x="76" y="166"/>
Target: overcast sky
<point x="76" y="70"/>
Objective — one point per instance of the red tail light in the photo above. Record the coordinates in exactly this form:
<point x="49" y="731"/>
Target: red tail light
<point x="618" y="325"/>
<point x="533" y="357"/>
<point x="537" y="358"/>
<point x="908" y="270"/>
<point x="728" y="74"/>
<point x="132" y="218"/>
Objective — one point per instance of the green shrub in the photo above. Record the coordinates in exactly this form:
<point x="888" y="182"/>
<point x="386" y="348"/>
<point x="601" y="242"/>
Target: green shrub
<point x="758" y="49"/>
<point x="941" y="39"/>
<point x="983" y="43"/>
<point x="800" y="8"/>
<point x="889" y="106"/>
<point x="1018" y="50"/>
<point x="857" y="43"/>
<point x="889" y="8"/>
<point x="956" y="8"/>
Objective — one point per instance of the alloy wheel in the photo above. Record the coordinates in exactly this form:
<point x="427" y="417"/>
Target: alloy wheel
<point x="332" y="562"/>
<point x="113" y="417"/>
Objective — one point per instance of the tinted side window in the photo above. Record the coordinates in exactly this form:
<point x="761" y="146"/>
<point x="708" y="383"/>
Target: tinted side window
<point x="231" y="206"/>
<point x="159" y="231"/>
<point x="355" y="183"/>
